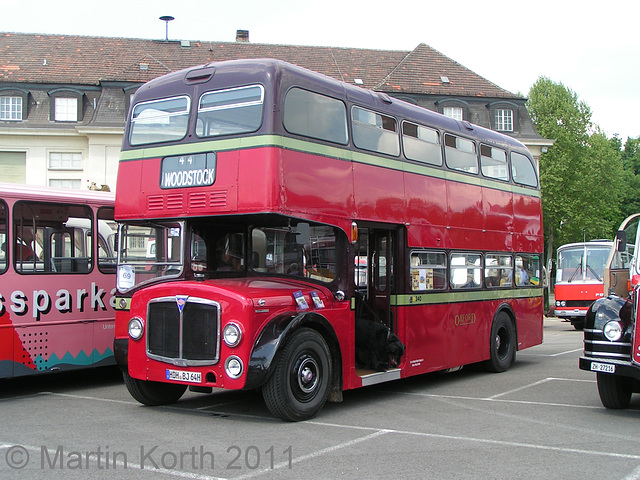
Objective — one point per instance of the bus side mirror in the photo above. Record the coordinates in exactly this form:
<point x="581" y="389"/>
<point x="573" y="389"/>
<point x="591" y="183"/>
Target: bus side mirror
<point x="621" y="241"/>
<point x="303" y="233"/>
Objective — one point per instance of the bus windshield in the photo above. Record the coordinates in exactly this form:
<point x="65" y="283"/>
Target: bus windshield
<point x="582" y="263"/>
<point x="151" y="251"/>
<point x="147" y="251"/>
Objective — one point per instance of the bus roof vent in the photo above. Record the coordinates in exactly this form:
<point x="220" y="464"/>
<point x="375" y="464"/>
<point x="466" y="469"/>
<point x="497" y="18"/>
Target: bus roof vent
<point x="385" y="98"/>
<point x="199" y="75"/>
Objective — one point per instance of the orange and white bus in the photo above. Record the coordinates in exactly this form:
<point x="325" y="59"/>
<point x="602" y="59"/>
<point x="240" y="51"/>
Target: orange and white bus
<point x="313" y="237"/>
<point x="57" y="279"/>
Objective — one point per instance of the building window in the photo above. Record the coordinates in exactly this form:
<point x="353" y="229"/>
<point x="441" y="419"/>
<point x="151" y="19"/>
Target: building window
<point x="70" y="183"/>
<point x="65" y="161"/>
<point x="66" y="109"/>
<point x="11" y="108"/>
<point x="453" y="112"/>
<point x="504" y="120"/>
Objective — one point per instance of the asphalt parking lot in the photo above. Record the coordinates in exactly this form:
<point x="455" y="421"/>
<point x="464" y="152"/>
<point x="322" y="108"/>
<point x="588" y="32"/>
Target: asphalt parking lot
<point x="542" y="419"/>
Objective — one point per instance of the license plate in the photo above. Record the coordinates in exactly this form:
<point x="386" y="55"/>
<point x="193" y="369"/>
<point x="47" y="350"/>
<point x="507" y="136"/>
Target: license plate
<point x="603" y="367"/>
<point x="184" y="376"/>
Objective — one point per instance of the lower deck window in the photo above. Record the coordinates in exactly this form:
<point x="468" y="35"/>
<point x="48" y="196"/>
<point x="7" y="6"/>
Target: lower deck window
<point x="428" y="271"/>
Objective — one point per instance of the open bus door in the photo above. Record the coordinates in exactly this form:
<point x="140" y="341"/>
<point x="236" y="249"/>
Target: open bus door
<point x="377" y="246"/>
<point x="616" y="272"/>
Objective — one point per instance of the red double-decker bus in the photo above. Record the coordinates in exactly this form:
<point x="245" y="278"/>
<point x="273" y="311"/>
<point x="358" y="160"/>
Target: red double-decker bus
<point x="310" y="237"/>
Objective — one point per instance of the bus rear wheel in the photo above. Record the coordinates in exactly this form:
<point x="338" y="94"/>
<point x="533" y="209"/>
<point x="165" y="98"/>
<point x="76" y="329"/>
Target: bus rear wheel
<point x="153" y="393"/>
<point x="615" y="391"/>
<point x="299" y="385"/>
<point x="502" y="344"/>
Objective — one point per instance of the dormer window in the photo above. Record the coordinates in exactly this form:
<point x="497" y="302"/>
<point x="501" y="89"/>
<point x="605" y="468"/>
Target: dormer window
<point x="503" y="116"/>
<point x="13" y="104"/>
<point x="66" y="105"/>
<point x="453" y="108"/>
<point x="453" y="112"/>
<point x="66" y="109"/>
<point x="504" y="120"/>
<point x="10" y="108"/>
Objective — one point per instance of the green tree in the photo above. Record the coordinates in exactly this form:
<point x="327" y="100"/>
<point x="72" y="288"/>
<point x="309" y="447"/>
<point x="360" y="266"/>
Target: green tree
<point x="581" y="175"/>
<point x="631" y="161"/>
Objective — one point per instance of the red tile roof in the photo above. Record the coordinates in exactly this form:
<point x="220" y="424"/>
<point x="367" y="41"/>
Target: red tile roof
<point x="60" y="59"/>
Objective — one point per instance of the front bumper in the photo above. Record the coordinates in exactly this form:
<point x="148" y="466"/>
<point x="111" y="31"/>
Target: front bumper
<point x="624" y="368"/>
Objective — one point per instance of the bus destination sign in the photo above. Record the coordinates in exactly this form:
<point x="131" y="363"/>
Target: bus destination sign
<point x="197" y="170"/>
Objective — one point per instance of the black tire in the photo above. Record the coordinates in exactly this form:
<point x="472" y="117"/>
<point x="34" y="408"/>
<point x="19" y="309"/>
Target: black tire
<point x="578" y="324"/>
<point x="615" y="391"/>
<point x="299" y="385"/>
<point x="153" y="393"/>
<point x="502" y="344"/>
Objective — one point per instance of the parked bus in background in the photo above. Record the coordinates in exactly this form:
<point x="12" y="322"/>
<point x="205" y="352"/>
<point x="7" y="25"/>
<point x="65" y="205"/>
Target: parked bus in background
<point x="57" y="279"/>
<point x="579" y="279"/>
<point x="313" y="237"/>
<point x="611" y="336"/>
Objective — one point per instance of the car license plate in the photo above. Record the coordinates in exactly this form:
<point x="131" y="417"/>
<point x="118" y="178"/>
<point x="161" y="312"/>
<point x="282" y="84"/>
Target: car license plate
<point x="184" y="376"/>
<point x="603" y="367"/>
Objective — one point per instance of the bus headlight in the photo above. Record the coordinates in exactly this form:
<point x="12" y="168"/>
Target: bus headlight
<point x="136" y="328"/>
<point x="232" y="334"/>
<point x="613" y="331"/>
<point x="233" y="367"/>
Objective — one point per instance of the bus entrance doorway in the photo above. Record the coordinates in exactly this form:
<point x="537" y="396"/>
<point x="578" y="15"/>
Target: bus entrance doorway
<point x="378" y="349"/>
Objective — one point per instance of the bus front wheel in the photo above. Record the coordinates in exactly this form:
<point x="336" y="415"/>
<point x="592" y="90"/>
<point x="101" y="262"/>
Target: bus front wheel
<point x="615" y="391"/>
<point x="299" y="385"/>
<point x="153" y="393"/>
<point x="502" y="344"/>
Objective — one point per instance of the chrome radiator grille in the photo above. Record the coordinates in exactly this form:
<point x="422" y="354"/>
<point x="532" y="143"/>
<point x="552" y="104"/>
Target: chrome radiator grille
<point x="183" y="330"/>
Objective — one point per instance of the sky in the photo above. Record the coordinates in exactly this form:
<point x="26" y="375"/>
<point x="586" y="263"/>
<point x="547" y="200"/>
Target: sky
<point x="592" y="48"/>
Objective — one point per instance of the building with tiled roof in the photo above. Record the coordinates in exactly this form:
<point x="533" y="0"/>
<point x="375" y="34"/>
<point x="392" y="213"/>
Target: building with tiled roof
<point x="64" y="99"/>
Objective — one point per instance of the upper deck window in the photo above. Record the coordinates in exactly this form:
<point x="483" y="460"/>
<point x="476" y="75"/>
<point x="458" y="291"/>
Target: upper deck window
<point x="493" y="162"/>
<point x="523" y="170"/>
<point x="460" y="154"/>
<point x="374" y="131"/>
<point x="231" y="111"/>
<point x="421" y="143"/>
<point x="316" y="116"/>
<point x="159" y="121"/>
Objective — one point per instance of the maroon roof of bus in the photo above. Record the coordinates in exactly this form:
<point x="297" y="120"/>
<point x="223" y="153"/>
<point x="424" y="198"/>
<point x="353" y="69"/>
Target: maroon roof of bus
<point x="80" y="60"/>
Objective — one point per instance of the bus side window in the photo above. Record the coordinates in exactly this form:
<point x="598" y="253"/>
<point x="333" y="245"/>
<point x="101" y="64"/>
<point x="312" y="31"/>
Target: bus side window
<point x="106" y="240"/>
<point x="465" y="270"/>
<point x="527" y="270"/>
<point x="428" y="271"/>
<point x="4" y="246"/>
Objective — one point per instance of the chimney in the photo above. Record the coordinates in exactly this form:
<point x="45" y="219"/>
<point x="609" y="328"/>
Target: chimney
<point x="242" y="36"/>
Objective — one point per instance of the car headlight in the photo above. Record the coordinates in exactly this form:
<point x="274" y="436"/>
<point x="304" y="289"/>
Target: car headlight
<point x="563" y="303"/>
<point x="232" y="334"/>
<point x="233" y="367"/>
<point x="136" y="328"/>
<point x="613" y="331"/>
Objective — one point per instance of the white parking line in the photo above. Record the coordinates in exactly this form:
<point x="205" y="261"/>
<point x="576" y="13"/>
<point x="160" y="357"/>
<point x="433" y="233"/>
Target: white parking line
<point x="84" y="397"/>
<point x="527" y="353"/>
<point x="524" y="387"/>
